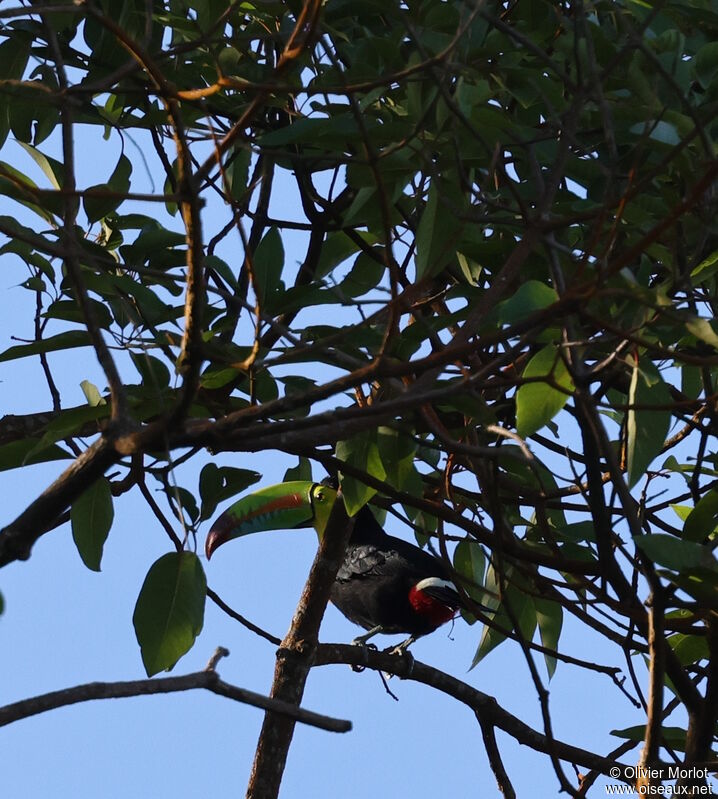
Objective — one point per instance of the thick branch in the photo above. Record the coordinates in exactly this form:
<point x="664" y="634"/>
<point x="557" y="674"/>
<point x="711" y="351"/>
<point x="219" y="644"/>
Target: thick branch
<point x="484" y="706"/>
<point x="652" y="742"/>
<point x="296" y="656"/>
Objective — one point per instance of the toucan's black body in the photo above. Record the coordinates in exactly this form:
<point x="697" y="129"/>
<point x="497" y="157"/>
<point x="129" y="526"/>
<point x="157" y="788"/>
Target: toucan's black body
<point x="385" y="584"/>
<point x="375" y="581"/>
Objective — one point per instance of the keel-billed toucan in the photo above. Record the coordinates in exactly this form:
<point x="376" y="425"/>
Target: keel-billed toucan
<point x="385" y="585"/>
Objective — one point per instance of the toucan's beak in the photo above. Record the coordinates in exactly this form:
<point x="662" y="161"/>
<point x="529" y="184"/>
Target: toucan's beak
<point x="278" y="507"/>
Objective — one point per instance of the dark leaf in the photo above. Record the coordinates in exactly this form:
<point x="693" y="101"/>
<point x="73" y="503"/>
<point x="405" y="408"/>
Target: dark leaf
<point x="531" y="296"/>
<point x="26" y="452"/>
<point x="362" y="452"/>
<point x="169" y="613"/>
<point x="155" y="374"/>
<point x="91" y="517"/>
<point x="702" y="521"/>
<point x="365" y="274"/>
<point x="538" y="402"/>
<point x="268" y="263"/>
<point x="62" y="341"/>
<point x="217" y="483"/>
<point x="302" y="471"/>
<point x="646" y="429"/>
<point x="675" y="737"/>
<point x="549" y="616"/>
<point x="118" y="184"/>
<point x="682" y="556"/>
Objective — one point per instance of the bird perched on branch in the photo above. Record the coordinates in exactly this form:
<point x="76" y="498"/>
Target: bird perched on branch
<point x="385" y="584"/>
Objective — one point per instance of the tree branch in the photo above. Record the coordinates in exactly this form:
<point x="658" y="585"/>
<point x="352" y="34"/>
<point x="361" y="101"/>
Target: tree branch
<point x="484" y="706"/>
<point x="296" y="655"/>
<point x="208" y="679"/>
<point x="18" y="537"/>
<point x="488" y="733"/>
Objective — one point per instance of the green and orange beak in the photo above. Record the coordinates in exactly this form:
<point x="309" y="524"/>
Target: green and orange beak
<point x="285" y="506"/>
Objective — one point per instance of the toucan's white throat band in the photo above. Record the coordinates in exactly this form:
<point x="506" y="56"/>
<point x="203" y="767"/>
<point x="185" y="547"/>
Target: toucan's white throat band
<point x="433" y="582"/>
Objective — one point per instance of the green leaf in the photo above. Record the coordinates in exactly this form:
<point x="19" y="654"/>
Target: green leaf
<point x="155" y="374"/>
<point x="682" y="511"/>
<point x="707" y="267"/>
<point x="169" y="613"/>
<point x="337" y="247"/>
<point x="691" y="381"/>
<point x="334" y="130"/>
<point x="71" y="422"/>
<point x="702" y="329"/>
<point x="646" y="429"/>
<point x="54" y="170"/>
<point x="187" y="503"/>
<point x="365" y="274"/>
<point x="11" y="227"/>
<point x="217" y="483"/>
<point x="531" y="296"/>
<point x="119" y="184"/>
<point x="438" y="231"/>
<point x="13" y="184"/>
<point x="357" y="213"/>
<point x="62" y="341"/>
<point x="674" y="737"/>
<point x="69" y="311"/>
<point x="396" y="450"/>
<point x="706" y="64"/>
<point x="14" y="54"/>
<point x="702" y="520"/>
<point x="91" y="518"/>
<point x="362" y="452"/>
<point x="522" y="609"/>
<point x="236" y="171"/>
<point x="470" y="562"/>
<point x="549" y="616"/>
<point x="268" y="263"/>
<point x="689" y="648"/>
<point x="672" y="552"/>
<point x="26" y="452"/>
<point x="302" y="471"/>
<point x="216" y="378"/>
<point x="537" y="402"/>
<point x="470" y="269"/>
<point x="92" y="394"/>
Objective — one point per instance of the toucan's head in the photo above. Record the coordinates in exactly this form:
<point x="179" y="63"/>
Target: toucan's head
<point x="279" y="507"/>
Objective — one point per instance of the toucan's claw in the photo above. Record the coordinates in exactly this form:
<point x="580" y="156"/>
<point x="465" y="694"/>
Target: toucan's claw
<point x="403" y="650"/>
<point x="357" y="667"/>
<point x="360" y="640"/>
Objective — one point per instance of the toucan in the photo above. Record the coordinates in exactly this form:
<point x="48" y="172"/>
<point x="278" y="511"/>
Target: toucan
<point x="385" y="584"/>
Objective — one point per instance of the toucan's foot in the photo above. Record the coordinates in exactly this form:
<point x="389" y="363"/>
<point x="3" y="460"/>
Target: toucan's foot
<point x="362" y="639"/>
<point x="356" y="642"/>
<point x="403" y="650"/>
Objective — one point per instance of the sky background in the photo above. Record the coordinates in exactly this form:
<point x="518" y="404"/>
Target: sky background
<point x="65" y="625"/>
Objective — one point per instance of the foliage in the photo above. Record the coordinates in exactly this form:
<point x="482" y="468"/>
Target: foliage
<point x="491" y="305"/>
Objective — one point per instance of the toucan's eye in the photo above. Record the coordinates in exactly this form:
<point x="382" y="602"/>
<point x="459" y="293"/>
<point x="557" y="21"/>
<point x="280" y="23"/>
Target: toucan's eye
<point x="320" y="496"/>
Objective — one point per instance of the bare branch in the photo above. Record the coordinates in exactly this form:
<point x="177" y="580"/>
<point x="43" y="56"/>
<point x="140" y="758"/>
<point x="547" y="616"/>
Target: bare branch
<point x="207" y="679"/>
<point x="485" y="706"/>
<point x="488" y="733"/>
